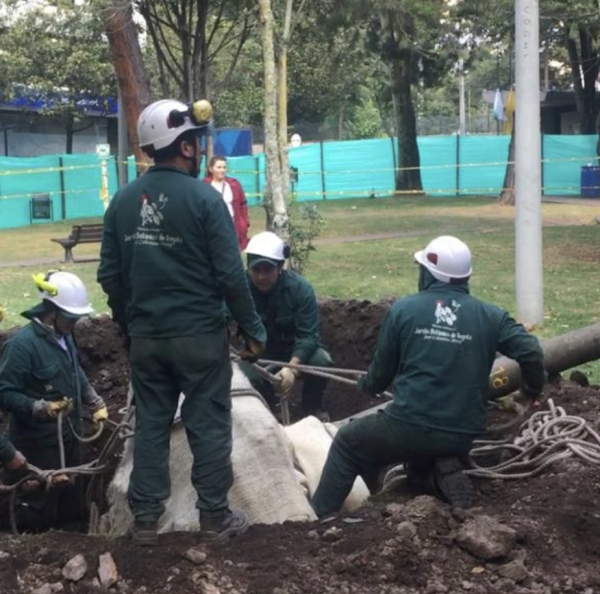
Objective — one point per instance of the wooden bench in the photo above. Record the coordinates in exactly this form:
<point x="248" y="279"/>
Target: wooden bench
<point x="80" y="234"/>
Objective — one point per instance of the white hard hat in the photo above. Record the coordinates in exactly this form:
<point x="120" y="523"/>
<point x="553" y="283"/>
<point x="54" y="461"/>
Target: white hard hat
<point x="162" y="122"/>
<point x="266" y="247"/>
<point x="66" y="291"/>
<point x="447" y="258"/>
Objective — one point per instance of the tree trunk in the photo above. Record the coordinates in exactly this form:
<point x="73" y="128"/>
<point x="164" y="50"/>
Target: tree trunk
<point x="282" y="105"/>
<point x="584" y="71"/>
<point x="69" y="131"/>
<point x="507" y="195"/>
<point x="341" y="121"/>
<point x="130" y="70"/>
<point x="408" y="178"/>
<point x="275" y="201"/>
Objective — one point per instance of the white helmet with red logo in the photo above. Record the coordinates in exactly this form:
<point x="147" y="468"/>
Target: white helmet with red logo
<point x="447" y="258"/>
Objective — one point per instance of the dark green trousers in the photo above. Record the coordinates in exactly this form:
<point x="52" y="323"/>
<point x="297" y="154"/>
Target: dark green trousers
<point x="313" y="387"/>
<point x="365" y="445"/>
<point x="198" y="366"/>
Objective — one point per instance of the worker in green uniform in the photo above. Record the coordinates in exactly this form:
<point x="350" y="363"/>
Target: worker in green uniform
<point x="170" y="263"/>
<point x="436" y="349"/>
<point x="288" y="308"/>
<point x="40" y="377"/>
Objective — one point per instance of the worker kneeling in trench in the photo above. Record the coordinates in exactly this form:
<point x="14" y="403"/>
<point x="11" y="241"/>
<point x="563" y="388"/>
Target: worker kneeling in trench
<point x="288" y="309"/>
<point x="436" y="348"/>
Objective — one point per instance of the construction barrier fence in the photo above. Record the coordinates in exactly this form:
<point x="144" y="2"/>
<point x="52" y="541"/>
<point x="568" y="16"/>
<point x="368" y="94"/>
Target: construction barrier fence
<point x="71" y="186"/>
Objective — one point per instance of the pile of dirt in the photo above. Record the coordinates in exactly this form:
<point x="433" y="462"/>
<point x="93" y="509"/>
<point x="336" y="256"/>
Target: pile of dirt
<point x="539" y="535"/>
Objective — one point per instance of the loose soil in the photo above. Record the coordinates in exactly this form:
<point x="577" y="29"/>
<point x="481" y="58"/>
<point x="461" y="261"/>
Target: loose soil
<point x="399" y="543"/>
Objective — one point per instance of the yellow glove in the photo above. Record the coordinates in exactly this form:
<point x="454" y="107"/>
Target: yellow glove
<point x="506" y="403"/>
<point x="252" y="350"/>
<point x="286" y="377"/>
<point x="100" y="416"/>
<point x="44" y="409"/>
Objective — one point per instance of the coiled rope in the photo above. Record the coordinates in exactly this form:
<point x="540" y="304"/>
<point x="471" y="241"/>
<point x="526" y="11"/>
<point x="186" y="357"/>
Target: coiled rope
<point x="546" y="437"/>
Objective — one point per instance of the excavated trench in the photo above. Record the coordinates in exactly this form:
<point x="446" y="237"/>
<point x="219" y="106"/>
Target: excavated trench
<point x="396" y="545"/>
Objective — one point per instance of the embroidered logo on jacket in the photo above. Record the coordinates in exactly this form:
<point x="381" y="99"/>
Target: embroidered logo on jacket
<point x="151" y="213"/>
<point x="445" y="314"/>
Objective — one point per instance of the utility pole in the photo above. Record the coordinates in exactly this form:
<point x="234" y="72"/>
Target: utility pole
<point x="528" y="195"/>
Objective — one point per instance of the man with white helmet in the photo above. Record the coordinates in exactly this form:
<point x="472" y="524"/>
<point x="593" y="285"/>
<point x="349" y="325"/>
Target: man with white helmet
<point x="40" y="377"/>
<point x="169" y="265"/>
<point x="288" y="308"/>
<point x="436" y="349"/>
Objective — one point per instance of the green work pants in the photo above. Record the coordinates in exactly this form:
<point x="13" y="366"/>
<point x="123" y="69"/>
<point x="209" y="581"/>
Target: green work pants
<point x="198" y="366"/>
<point x="367" y="444"/>
<point x="313" y="387"/>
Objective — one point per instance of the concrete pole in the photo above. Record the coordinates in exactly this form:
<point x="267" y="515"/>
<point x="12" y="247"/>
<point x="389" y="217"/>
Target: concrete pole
<point x="121" y="143"/>
<point x="528" y="198"/>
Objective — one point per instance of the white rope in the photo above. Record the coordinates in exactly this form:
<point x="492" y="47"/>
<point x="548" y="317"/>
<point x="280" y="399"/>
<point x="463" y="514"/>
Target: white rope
<point x="546" y="437"/>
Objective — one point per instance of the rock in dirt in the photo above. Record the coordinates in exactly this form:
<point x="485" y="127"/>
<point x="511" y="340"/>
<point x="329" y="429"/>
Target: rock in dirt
<point x="485" y="538"/>
<point x="45" y="589"/>
<point x="515" y="570"/>
<point x="4" y="555"/>
<point x="107" y="571"/>
<point x="332" y="534"/>
<point x="75" y="568"/>
<point x="195" y="556"/>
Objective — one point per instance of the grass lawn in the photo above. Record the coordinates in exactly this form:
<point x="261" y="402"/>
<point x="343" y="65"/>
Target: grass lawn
<point x="384" y="267"/>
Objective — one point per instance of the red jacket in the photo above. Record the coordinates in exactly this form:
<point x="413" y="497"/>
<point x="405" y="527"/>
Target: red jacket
<point x="241" y="222"/>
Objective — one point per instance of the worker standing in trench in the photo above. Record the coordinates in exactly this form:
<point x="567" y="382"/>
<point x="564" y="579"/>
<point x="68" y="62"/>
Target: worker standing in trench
<point x="170" y="263"/>
<point x="436" y="348"/>
<point x="40" y="377"/>
<point x="288" y="308"/>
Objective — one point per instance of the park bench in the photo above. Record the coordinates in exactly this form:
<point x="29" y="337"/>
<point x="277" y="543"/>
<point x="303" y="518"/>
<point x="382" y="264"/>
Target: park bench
<point x="80" y="234"/>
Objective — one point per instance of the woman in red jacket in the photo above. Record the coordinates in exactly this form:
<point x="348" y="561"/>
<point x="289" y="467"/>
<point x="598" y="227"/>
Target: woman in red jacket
<point x="233" y="194"/>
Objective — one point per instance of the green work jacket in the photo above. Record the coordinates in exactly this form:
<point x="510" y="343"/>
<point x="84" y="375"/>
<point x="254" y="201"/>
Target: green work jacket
<point x="436" y="349"/>
<point x="291" y="316"/>
<point x="170" y="259"/>
<point x="34" y="366"/>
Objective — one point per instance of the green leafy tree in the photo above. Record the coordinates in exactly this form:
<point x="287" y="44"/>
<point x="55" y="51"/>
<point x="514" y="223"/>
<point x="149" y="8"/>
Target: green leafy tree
<point x="56" y="56"/>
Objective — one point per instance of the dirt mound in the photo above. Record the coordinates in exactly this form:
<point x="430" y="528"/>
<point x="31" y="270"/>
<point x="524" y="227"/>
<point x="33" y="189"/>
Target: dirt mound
<point x="538" y="535"/>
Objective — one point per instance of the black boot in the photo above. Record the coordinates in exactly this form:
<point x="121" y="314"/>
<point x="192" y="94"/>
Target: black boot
<point x="452" y="484"/>
<point x="144" y="533"/>
<point x="223" y="526"/>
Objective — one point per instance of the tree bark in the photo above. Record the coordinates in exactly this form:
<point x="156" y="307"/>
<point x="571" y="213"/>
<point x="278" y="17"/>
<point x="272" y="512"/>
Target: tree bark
<point x="585" y="65"/>
<point x="408" y="178"/>
<point x="132" y="78"/>
<point x="507" y="195"/>
<point x="275" y="201"/>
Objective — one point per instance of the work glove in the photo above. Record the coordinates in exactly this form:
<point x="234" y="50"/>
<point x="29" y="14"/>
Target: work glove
<point x="100" y="416"/>
<point x="506" y="403"/>
<point x="252" y="350"/>
<point x="17" y="464"/>
<point x="45" y="409"/>
<point x="286" y="377"/>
